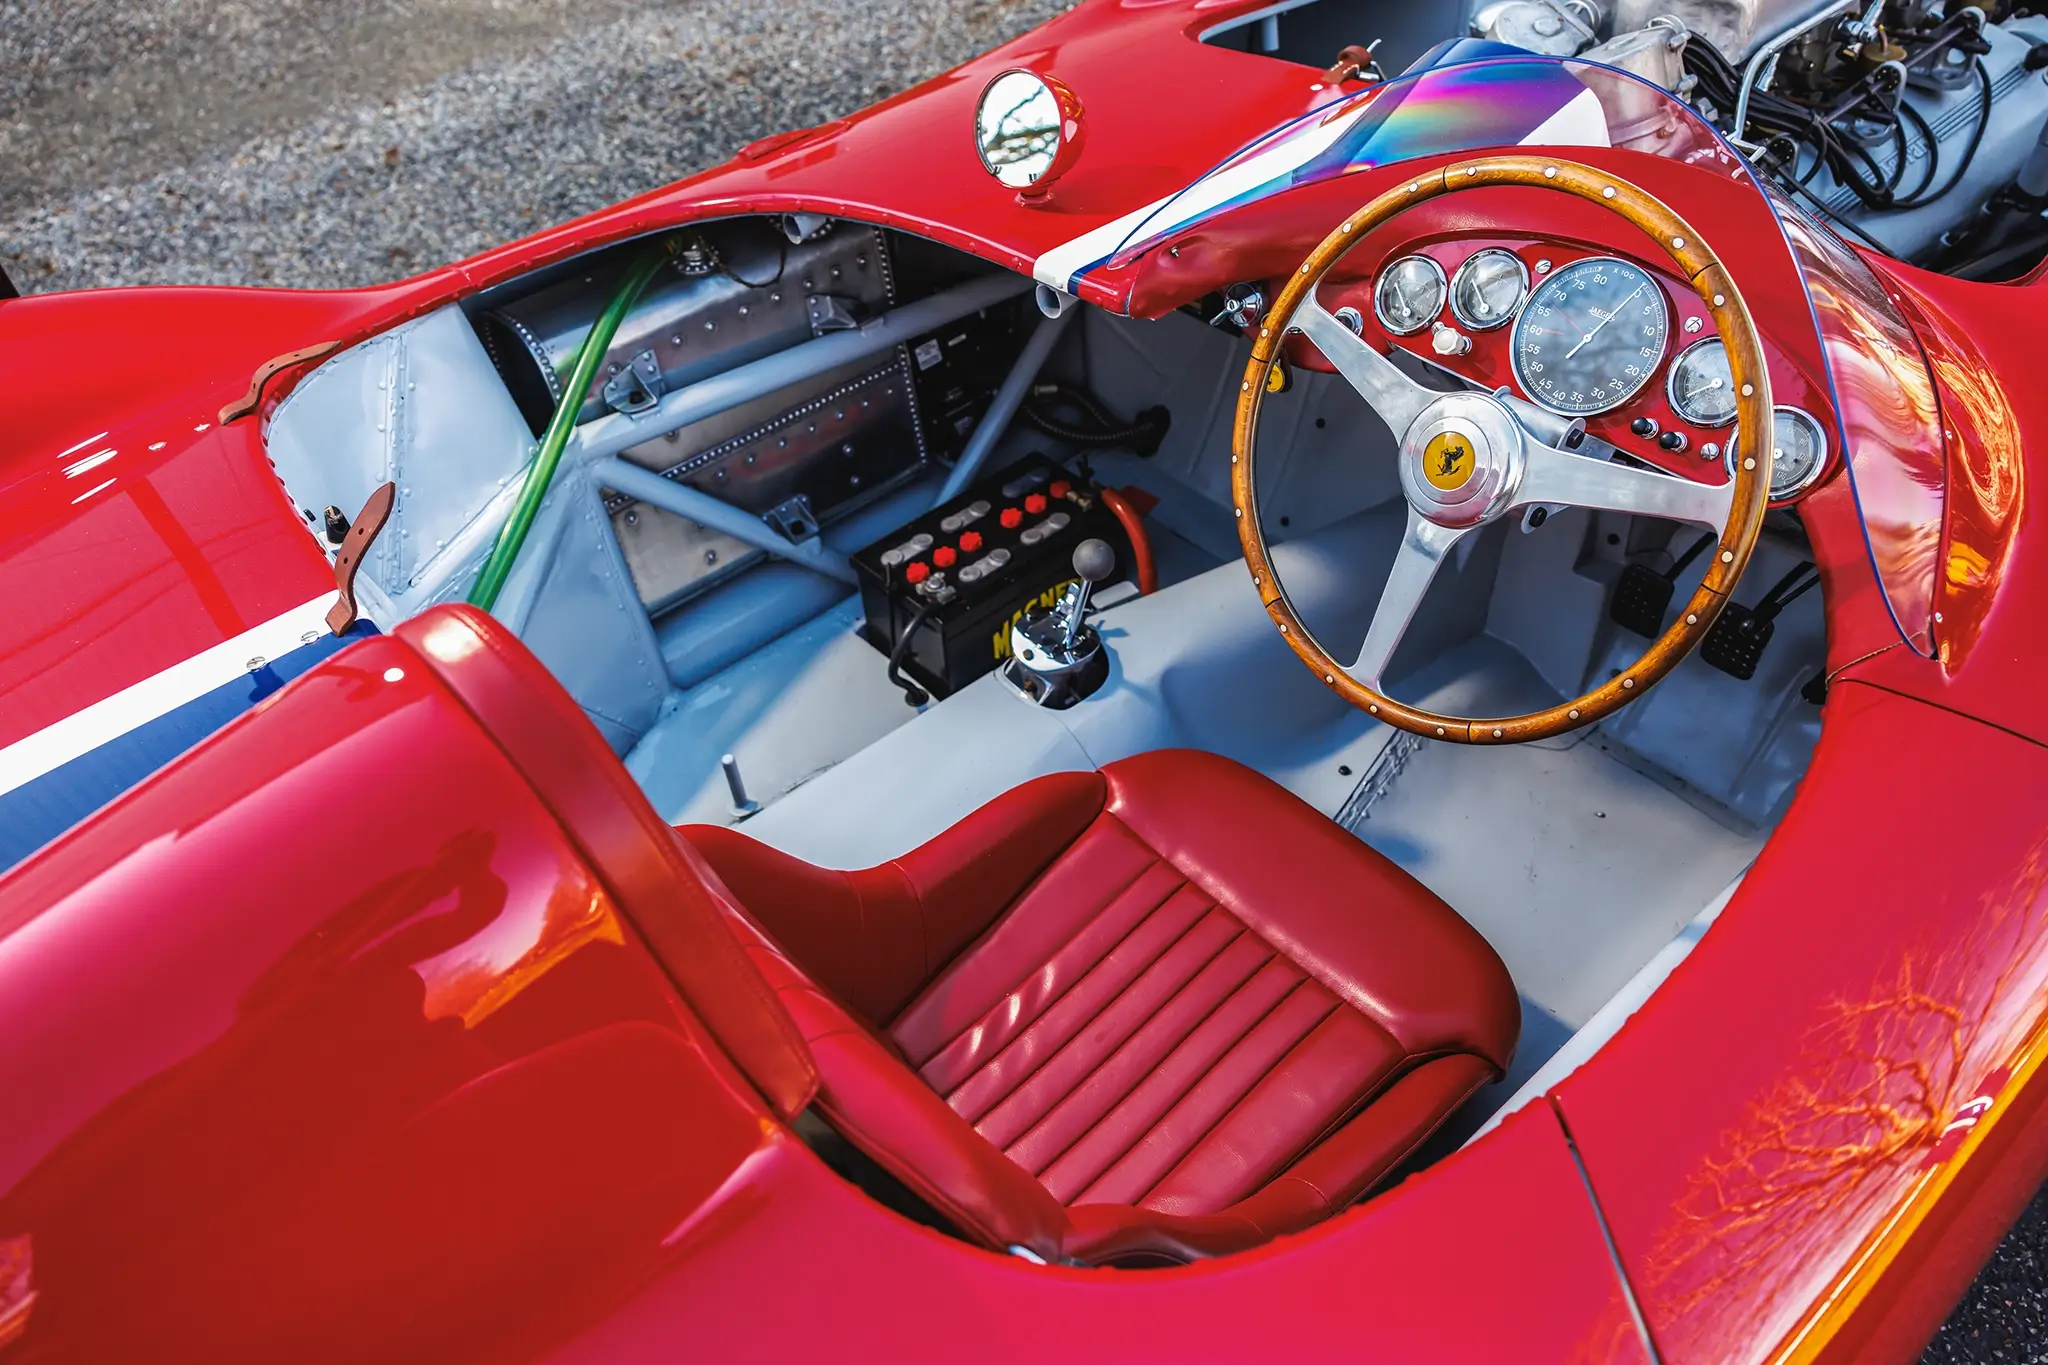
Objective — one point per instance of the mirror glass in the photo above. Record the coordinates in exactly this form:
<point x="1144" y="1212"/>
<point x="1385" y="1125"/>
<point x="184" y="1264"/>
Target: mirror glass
<point x="1017" y="128"/>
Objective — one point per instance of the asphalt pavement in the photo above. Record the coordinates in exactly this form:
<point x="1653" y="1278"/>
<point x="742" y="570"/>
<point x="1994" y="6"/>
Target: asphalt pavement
<point x="333" y="143"/>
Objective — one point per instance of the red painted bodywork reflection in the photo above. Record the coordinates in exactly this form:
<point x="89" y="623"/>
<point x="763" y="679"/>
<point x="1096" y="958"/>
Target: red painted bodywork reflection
<point x="1890" y="420"/>
<point x="1986" y="479"/>
<point x="1882" y="1087"/>
<point x="411" y="1087"/>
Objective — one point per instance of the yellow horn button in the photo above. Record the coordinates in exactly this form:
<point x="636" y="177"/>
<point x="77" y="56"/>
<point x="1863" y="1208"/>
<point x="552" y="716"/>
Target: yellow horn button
<point x="1448" y="461"/>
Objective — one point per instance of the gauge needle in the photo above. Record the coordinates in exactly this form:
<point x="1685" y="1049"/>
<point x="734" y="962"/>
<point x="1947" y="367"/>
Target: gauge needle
<point x="1603" y="322"/>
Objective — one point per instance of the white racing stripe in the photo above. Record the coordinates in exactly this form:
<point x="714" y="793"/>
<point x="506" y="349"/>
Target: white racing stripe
<point x="1582" y="122"/>
<point x="1059" y="266"/>
<point x="83" y="731"/>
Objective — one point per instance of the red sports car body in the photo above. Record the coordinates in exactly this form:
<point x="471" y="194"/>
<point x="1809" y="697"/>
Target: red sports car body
<point x="357" y="1001"/>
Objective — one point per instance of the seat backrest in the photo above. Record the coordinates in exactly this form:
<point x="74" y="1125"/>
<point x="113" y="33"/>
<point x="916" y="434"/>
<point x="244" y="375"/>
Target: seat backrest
<point x="657" y="881"/>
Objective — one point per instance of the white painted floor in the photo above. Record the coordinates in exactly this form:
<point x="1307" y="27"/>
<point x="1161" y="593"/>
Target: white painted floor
<point x="787" y="712"/>
<point x="1576" y="867"/>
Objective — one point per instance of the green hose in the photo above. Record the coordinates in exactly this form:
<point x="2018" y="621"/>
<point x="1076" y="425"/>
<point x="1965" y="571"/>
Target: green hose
<point x="512" y="535"/>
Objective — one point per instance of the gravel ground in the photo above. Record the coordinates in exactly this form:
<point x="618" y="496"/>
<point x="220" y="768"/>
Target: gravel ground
<point x="343" y="142"/>
<point x="2004" y="1317"/>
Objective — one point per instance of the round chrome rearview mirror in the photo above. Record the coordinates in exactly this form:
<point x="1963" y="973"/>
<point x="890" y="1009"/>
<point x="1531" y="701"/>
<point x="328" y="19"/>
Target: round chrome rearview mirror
<point x="1027" y="128"/>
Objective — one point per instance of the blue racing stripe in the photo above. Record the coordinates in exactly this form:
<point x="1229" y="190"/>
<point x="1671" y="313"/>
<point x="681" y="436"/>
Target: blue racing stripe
<point x="38" y="811"/>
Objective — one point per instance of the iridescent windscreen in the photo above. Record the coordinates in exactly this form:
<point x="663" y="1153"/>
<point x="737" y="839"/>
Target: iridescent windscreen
<point x="1821" y="308"/>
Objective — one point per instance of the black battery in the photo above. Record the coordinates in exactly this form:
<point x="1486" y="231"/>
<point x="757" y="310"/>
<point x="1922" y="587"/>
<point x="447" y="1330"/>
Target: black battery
<point x="957" y="577"/>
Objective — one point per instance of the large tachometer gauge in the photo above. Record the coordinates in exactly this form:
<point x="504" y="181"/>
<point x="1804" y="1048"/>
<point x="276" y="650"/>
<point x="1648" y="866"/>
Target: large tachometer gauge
<point x="1591" y="336"/>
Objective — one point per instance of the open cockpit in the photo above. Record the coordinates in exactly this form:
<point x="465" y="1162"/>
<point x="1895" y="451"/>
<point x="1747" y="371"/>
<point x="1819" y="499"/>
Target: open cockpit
<point x="804" y="422"/>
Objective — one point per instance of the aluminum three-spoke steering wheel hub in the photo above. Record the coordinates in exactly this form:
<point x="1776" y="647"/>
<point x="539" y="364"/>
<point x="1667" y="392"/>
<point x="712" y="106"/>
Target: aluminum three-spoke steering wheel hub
<point x="1470" y="459"/>
<point x="1461" y="460"/>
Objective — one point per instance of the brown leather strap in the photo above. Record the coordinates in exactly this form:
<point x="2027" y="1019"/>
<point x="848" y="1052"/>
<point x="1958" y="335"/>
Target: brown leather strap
<point x="361" y="533"/>
<point x="1352" y="64"/>
<point x="247" y="403"/>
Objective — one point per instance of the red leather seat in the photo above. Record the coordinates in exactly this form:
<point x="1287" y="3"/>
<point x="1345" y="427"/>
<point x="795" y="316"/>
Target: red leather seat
<point x="1156" y="1012"/>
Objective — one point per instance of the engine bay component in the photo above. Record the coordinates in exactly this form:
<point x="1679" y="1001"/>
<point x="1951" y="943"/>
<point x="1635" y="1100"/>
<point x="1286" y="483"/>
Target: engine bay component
<point x="1409" y="295"/>
<point x="941" y="593"/>
<point x="1560" y="28"/>
<point x="1909" y="124"/>
<point x="1898" y="132"/>
<point x="1800" y="456"/>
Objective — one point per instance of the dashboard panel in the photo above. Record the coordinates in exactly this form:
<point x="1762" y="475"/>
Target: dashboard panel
<point x="1581" y="330"/>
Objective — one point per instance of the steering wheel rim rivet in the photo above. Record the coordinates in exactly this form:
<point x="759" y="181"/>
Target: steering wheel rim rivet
<point x="1628" y="684"/>
<point x="1573" y="713"/>
<point x="1692" y="618"/>
<point x="1550" y="172"/>
<point x="1749" y="463"/>
<point x="1607" y="193"/>
<point x="1496" y="734"/>
<point x="1330" y="678"/>
<point x="1439" y="732"/>
<point x="1374" y="708"/>
<point x="1727" y="556"/>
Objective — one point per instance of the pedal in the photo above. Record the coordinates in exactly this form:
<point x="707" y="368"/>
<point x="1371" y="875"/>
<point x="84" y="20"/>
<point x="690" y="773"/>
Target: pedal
<point x="1736" y="643"/>
<point x="1641" y="597"/>
<point x="1740" y="634"/>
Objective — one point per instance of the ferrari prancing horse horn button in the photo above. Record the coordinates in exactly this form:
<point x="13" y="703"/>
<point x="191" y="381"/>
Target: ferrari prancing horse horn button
<point x="1447" y="460"/>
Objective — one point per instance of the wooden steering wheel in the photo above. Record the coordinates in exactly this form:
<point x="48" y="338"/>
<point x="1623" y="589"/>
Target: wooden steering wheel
<point x="1512" y="467"/>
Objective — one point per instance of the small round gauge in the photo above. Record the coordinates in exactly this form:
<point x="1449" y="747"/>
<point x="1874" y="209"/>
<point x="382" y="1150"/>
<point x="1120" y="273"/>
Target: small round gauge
<point x="1590" y="336"/>
<point x="1488" y="288"/>
<point x="1409" y="295"/>
<point x="1700" y="386"/>
<point x="1801" y="454"/>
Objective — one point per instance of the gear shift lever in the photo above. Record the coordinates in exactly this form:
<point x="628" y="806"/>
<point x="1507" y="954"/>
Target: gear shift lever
<point x="1094" y="562"/>
<point x="1056" y="658"/>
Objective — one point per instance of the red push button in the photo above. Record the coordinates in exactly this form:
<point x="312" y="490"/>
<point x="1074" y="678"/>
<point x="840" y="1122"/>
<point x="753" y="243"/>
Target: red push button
<point x="971" y="541"/>
<point x="1035" y="503"/>
<point x="917" y="572"/>
<point x="944" y="556"/>
<point x="1060" y="488"/>
<point x="1011" y="518"/>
